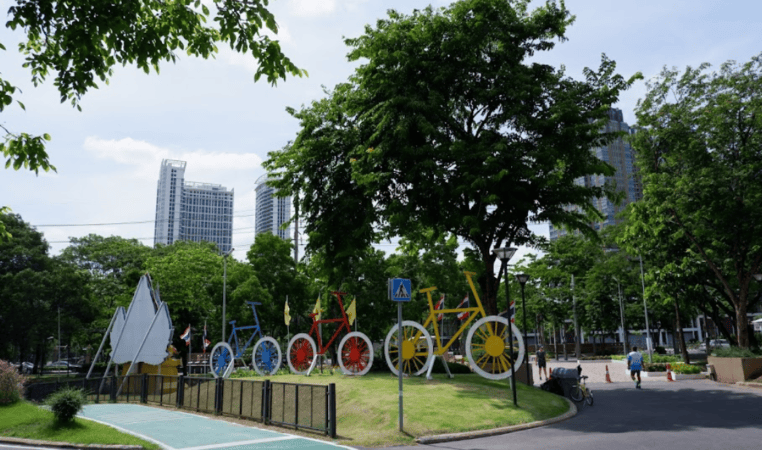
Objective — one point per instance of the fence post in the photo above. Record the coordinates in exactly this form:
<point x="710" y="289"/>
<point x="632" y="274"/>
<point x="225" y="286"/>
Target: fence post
<point x="144" y="389"/>
<point x="266" y="402"/>
<point x="218" y="395"/>
<point x="113" y="388"/>
<point x="180" y="391"/>
<point x="332" y="409"/>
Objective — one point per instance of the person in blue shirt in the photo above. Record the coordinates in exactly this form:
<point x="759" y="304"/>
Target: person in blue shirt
<point x="635" y="365"/>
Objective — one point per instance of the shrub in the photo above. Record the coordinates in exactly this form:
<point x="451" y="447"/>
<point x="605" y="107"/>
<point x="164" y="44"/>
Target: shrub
<point x="685" y="369"/>
<point x="735" y="352"/>
<point x="244" y="372"/>
<point x="654" y="367"/>
<point x="66" y="403"/>
<point x="11" y="383"/>
<point x="595" y="358"/>
<point x="660" y="350"/>
<point x="666" y="358"/>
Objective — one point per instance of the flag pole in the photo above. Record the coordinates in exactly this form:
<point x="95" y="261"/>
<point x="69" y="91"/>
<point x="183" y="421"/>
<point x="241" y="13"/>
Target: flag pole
<point x="190" y="347"/>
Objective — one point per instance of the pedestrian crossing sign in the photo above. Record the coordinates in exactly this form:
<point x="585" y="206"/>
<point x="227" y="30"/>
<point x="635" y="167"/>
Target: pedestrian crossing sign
<point x="401" y="290"/>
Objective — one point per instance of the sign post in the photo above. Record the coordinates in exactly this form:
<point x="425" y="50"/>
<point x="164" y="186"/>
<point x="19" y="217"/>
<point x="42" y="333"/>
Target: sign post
<point x="399" y="292"/>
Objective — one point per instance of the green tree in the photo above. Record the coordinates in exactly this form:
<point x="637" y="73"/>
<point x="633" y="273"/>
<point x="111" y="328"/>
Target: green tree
<point x="699" y="151"/>
<point x="446" y="125"/>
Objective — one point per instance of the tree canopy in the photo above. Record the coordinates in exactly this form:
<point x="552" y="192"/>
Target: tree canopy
<point x="699" y="151"/>
<point x="447" y="125"/>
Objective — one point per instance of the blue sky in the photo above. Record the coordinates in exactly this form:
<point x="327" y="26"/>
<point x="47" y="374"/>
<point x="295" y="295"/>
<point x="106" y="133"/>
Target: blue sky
<point x="211" y="114"/>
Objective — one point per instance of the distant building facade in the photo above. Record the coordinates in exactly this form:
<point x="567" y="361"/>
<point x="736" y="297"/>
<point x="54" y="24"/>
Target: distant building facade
<point x="621" y="156"/>
<point x="271" y="212"/>
<point x="192" y="211"/>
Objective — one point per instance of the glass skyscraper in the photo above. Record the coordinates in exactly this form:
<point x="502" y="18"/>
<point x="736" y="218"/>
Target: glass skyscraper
<point x="271" y="211"/>
<point x="192" y="211"/>
<point x="621" y="156"/>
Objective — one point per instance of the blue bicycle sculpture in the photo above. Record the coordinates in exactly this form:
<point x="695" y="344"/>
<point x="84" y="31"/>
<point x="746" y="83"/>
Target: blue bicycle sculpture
<point x="265" y="358"/>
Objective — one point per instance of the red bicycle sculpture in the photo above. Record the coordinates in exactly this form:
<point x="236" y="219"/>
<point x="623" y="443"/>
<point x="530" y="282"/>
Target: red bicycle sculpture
<point x="355" y="350"/>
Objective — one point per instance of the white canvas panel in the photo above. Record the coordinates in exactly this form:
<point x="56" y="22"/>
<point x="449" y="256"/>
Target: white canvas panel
<point x="154" y="350"/>
<point x="140" y="314"/>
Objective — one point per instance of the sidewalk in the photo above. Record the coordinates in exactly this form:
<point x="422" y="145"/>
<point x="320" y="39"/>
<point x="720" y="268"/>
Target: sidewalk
<point x="176" y="430"/>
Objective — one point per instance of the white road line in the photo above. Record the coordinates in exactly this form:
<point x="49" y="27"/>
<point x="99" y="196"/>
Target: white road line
<point x="123" y="430"/>
<point x="237" y="443"/>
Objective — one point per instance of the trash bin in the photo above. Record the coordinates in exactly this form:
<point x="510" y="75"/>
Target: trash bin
<point x="567" y="378"/>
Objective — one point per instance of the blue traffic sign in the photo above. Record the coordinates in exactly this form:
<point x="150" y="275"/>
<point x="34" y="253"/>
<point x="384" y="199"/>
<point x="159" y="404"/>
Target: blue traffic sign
<point x="401" y="290"/>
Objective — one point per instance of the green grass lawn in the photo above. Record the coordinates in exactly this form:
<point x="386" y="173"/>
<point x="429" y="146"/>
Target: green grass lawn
<point x="367" y="408"/>
<point x="26" y="420"/>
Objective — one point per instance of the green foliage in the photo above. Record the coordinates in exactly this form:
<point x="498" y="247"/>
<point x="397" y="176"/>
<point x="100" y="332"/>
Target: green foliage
<point x="66" y="403"/>
<point x="698" y="151"/>
<point x="416" y="139"/>
<point x="244" y="372"/>
<point x="11" y="383"/>
<point x="685" y="369"/>
<point x="654" y="367"/>
<point x="735" y="352"/>
<point x="660" y="350"/>
<point x="80" y="42"/>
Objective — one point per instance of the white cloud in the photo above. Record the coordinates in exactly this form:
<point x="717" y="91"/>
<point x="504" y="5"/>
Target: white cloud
<point x="147" y="157"/>
<point x="311" y="8"/>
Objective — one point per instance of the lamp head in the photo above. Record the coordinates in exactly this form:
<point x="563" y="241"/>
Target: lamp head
<point x="758" y="276"/>
<point x="522" y="278"/>
<point x="504" y="253"/>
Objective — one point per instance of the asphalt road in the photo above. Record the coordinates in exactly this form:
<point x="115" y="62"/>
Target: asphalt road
<point x="694" y="415"/>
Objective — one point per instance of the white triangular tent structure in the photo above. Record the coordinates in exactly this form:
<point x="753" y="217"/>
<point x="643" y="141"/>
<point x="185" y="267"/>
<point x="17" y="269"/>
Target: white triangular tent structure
<point x="140" y="334"/>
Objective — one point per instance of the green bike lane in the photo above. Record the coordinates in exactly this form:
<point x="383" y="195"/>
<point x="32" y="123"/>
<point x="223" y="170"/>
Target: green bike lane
<point x="177" y="430"/>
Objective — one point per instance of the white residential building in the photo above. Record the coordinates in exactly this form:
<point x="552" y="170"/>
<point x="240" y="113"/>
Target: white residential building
<point x="271" y="211"/>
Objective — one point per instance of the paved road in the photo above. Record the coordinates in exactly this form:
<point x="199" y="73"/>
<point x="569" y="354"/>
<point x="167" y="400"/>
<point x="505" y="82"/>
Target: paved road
<point x="693" y="415"/>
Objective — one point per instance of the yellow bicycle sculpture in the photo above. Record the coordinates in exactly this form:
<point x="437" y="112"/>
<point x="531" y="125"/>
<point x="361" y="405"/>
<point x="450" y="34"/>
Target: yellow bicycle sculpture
<point x="487" y="347"/>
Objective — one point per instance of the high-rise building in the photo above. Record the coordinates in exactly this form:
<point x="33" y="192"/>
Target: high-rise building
<point x="271" y="211"/>
<point x="621" y="156"/>
<point x="192" y="211"/>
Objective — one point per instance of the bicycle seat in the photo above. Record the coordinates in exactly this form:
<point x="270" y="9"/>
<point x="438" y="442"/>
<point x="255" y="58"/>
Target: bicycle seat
<point x="232" y="322"/>
<point x="583" y="377"/>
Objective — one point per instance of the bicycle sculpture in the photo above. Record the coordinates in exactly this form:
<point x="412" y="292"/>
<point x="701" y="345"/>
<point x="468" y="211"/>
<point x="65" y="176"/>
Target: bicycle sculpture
<point x="266" y="356"/>
<point x="355" y="349"/>
<point x="487" y="345"/>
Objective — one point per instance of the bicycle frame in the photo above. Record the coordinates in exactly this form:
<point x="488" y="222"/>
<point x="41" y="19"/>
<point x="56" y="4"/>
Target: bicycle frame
<point x="233" y="339"/>
<point x="432" y="317"/>
<point x="315" y="330"/>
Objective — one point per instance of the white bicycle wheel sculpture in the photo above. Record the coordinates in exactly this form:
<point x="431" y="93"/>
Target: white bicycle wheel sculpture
<point x="416" y="350"/>
<point x="221" y="360"/>
<point x="355" y="354"/>
<point x="266" y="356"/>
<point x="301" y="354"/>
<point x="488" y="350"/>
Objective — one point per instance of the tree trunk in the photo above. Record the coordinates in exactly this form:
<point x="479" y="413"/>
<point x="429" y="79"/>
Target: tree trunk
<point x="680" y="334"/>
<point x="742" y="324"/>
<point x="489" y="283"/>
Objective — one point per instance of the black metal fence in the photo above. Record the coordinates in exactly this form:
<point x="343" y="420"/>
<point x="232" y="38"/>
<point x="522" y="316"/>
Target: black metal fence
<point x="302" y="406"/>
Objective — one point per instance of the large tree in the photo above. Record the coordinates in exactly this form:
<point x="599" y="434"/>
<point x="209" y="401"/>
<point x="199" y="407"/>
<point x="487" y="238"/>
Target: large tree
<point x="699" y="151"/>
<point x="446" y="124"/>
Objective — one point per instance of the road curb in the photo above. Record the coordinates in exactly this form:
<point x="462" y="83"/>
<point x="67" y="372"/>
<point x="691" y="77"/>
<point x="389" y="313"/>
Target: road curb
<point x="36" y="443"/>
<point x="748" y="384"/>
<point x="496" y="431"/>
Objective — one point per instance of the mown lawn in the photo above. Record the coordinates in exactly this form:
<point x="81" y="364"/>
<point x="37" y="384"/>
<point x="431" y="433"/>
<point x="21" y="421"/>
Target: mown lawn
<point x="26" y="420"/>
<point x="367" y="407"/>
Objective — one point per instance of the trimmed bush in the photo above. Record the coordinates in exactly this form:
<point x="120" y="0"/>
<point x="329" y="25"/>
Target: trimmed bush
<point x="11" y="383"/>
<point x="66" y="403"/>
<point x="595" y="358"/>
<point x="735" y="352"/>
<point x="660" y="350"/>
<point x="654" y="367"/>
<point x="685" y="369"/>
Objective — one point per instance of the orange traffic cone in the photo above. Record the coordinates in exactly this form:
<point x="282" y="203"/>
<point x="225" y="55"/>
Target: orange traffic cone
<point x="550" y="373"/>
<point x="608" y="377"/>
<point x="669" y="373"/>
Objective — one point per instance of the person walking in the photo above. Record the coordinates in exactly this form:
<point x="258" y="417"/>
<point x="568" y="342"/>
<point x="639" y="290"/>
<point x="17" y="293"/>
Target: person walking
<point x="541" y="364"/>
<point x="635" y="365"/>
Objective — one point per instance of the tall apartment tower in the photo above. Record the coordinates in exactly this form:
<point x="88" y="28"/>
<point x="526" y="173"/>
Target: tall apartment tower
<point x="621" y="156"/>
<point x="192" y="211"/>
<point x="271" y="212"/>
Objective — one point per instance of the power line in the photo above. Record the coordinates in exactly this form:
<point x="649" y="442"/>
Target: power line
<point x="105" y="224"/>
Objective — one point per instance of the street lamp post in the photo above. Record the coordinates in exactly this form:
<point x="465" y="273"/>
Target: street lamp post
<point x="649" y="341"/>
<point x="577" y="331"/>
<point x="224" y="288"/>
<point x="625" y="341"/>
<point x="506" y="253"/>
<point x="522" y="279"/>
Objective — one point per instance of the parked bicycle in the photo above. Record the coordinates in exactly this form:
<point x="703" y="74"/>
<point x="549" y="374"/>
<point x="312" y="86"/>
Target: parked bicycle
<point x="265" y="358"/>
<point x="580" y="393"/>
<point x="487" y="344"/>
<point x="355" y="349"/>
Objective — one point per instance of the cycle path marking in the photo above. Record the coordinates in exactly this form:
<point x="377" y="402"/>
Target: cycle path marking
<point x="177" y="430"/>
